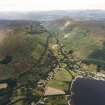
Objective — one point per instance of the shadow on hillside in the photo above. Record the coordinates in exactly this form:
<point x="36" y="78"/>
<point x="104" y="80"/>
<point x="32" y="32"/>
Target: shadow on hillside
<point x="98" y="57"/>
<point x="98" y="54"/>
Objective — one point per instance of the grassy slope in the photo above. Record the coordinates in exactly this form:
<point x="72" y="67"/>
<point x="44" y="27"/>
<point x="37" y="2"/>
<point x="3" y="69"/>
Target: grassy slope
<point x="80" y="42"/>
<point x="60" y="80"/>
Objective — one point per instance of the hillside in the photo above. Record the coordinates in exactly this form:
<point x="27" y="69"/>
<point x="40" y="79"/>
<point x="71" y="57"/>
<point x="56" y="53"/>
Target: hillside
<point x="24" y="43"/>
<point x="82" y="36"/>
<point x="86" y="38"/>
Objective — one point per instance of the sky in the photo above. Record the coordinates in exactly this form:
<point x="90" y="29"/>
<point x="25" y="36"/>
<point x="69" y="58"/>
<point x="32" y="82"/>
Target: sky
<point x="46" y="5"/>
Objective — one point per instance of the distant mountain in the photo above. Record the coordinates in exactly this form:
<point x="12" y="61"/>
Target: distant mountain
<point x="53" y="15"/>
